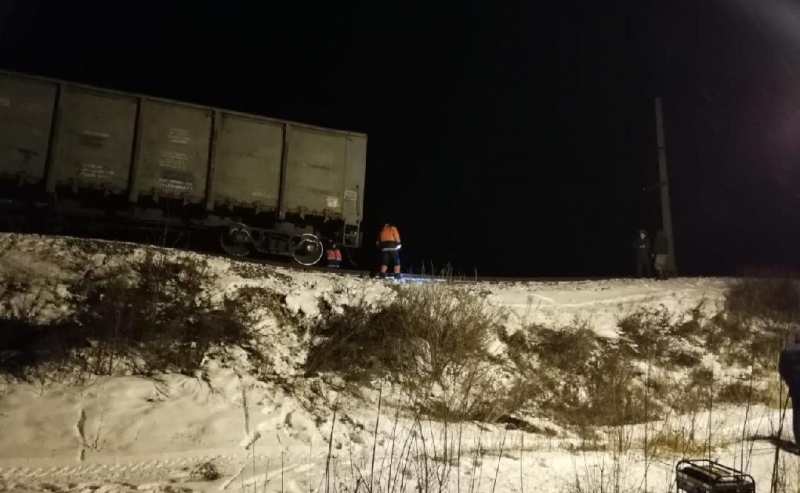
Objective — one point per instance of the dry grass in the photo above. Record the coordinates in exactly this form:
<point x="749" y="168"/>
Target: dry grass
<point x="757" y="321"/>
<point x="669" y="444"/>
<point x="578" y="378"/>
<point x="431" y="340"/>
<point x="151" y="317"/>
<point x="660" y="337"/>
<point x="771" y="299"/>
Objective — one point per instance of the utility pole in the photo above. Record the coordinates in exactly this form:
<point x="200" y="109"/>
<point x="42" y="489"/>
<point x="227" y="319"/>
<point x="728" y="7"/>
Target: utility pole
<point x="666" y="211"/>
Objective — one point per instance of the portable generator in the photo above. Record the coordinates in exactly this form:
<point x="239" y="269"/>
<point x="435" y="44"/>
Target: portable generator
<point x="707" y="476"/>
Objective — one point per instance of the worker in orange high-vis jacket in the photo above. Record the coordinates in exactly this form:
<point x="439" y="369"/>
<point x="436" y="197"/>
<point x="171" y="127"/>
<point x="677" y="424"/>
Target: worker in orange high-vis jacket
<point x="389" y="243"/>
<point x="334" y="256"/>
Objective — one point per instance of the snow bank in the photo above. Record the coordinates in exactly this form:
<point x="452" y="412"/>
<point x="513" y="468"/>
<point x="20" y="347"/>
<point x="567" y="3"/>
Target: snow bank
<point x="129" y="433"/>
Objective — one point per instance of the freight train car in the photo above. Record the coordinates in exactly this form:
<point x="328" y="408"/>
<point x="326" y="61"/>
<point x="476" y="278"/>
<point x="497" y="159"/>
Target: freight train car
<point x="77" y="154"/>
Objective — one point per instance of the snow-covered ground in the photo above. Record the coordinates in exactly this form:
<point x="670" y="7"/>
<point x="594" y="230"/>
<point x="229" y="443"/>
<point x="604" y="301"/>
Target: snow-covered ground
<point x="126" y="433"/>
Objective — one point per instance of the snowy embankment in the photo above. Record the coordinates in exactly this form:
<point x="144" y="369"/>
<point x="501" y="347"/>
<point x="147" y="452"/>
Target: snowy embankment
<point x="233" y="423"/>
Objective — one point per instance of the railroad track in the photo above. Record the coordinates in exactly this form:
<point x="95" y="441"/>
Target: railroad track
<point x="421" y="277"/>
<point x="410" y="276"/>
<point x="361" y="273"/>
<point x="424" y="277"/>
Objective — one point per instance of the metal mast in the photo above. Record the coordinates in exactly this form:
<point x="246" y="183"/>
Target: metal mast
<point x="666" y="211"/>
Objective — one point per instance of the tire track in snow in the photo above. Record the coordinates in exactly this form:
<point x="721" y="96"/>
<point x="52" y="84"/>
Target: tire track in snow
<point x="145" y="469"/>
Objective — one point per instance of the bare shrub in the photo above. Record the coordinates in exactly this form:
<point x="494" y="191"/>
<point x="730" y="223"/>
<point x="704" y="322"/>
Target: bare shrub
<point x="155" y="316"/>
<point x="578" y="377"/>
<point x="207" y="471"/>
<point x="587" y="381"/>
<point x="668" y="443"/>
<point x="22" y="306"/>
<point x="351" y="342"/>
<point x="449" y="329"/>
<point x="568" y="349"/>
<point x="683" y="358"/>
<point x="755" y="324"/>
<point x="431" y="339"/>
<point x="773" y="299"/>
<point x="693" y="393"/>
<point x="163" y="314"/>
<point x="248" y="299"/>
<point x="647" y="331"/>
<point x="22" y="300"/>
<point x="660" y="337"/>
<point x="743" y="393"/>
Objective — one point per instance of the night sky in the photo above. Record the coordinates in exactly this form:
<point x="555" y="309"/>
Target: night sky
<point x="511" y="137"/>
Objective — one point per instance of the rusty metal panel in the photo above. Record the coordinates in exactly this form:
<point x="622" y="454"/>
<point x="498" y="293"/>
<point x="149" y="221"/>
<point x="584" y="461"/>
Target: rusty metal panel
<point x="173" y="153"/>
<point x="315" y="171"/>
<point x="355" y="175"/>
<point x="26" y="115"/>
<point x="95" y="140"/>
<point x="248" y="162"/>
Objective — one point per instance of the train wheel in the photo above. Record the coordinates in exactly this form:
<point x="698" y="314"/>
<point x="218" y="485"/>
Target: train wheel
<point x="306" y="249"/>
<point x="236" y="241"/>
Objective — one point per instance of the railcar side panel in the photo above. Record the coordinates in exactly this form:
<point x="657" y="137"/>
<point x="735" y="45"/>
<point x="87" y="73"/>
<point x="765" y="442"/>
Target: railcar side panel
<point x="26" y="115"/>
<point x="248" y="162"/>
<point x="172" y="159"/>
<point x="94" y="142"/>
<point x="315" y="172"/>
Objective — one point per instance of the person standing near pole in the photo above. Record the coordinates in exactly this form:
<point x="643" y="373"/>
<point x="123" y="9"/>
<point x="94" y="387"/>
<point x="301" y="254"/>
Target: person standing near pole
<point x="641" y="246"/>
<point x="661" y="253"/>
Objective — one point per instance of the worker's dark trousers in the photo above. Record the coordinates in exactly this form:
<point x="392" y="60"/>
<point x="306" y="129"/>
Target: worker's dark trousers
<point x="643" y="265"/>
